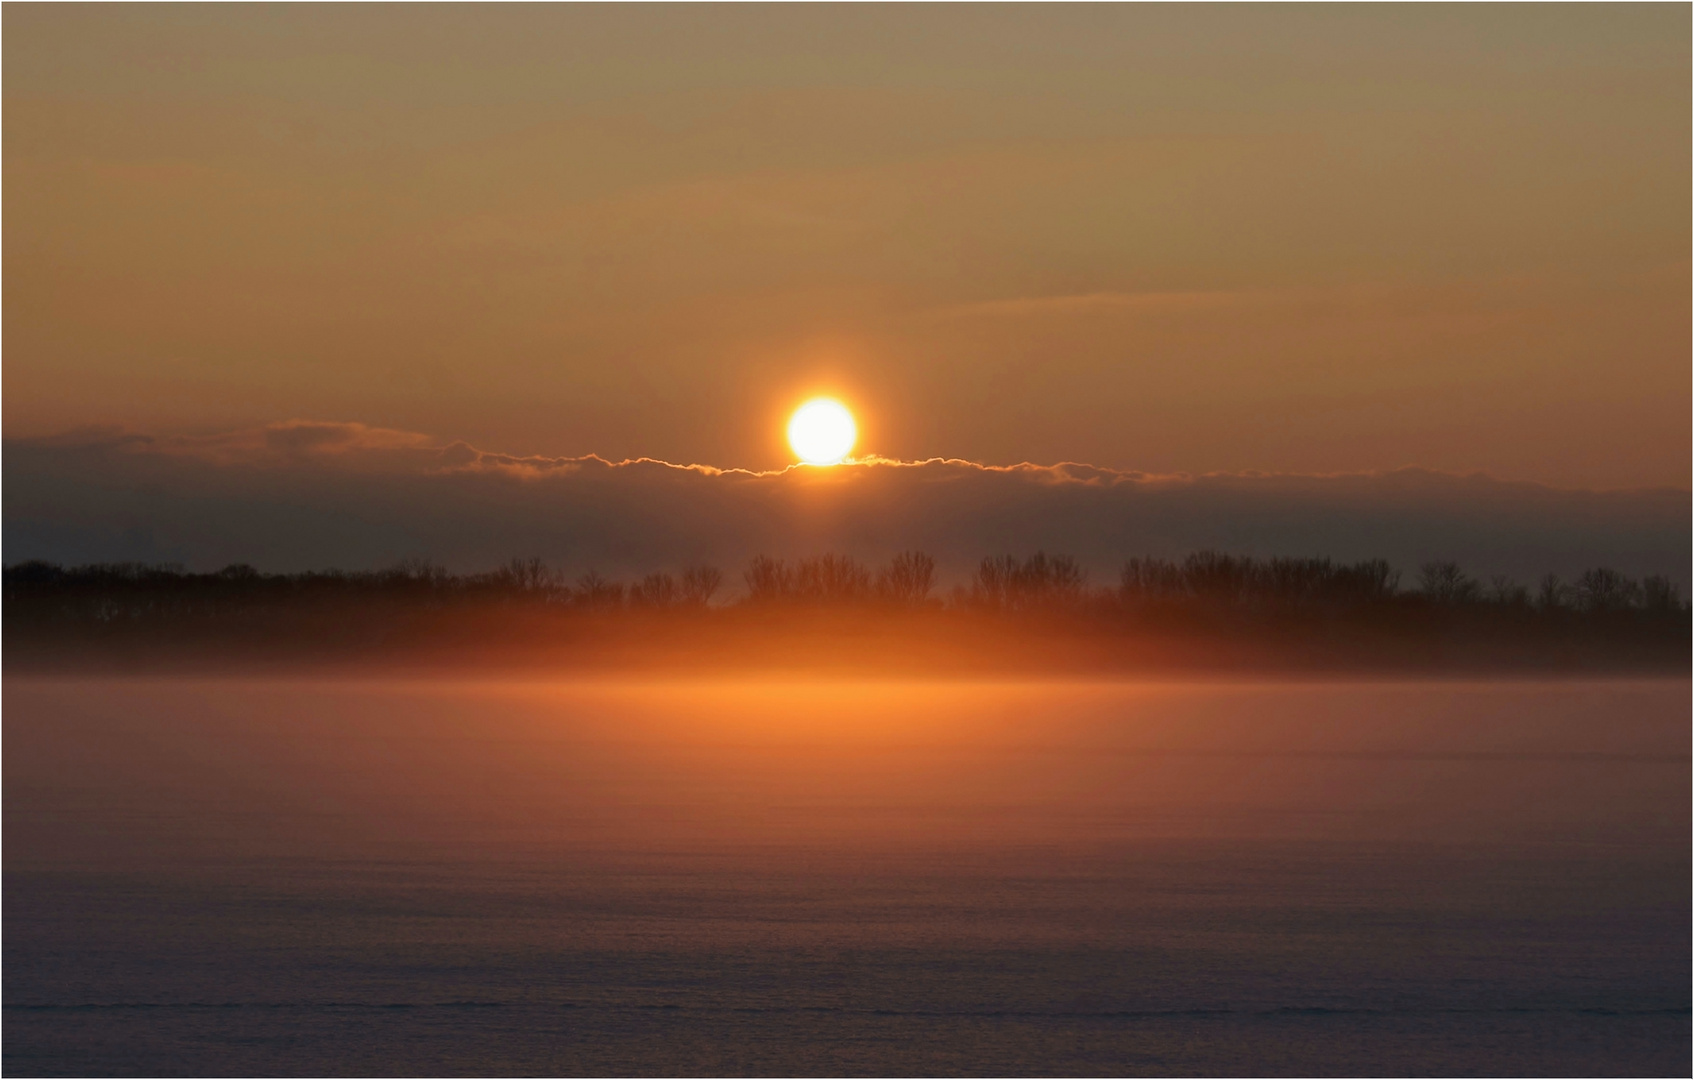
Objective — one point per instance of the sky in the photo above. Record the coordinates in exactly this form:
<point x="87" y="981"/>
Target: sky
<point x="1171" y="239"/>
<point x="335" y="285"/>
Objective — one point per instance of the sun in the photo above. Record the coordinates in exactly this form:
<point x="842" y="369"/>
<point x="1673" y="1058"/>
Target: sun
<point x="822" y="432"/>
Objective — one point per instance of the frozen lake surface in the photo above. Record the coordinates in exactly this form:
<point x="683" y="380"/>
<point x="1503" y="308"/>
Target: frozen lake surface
<point x="294" y="877"/>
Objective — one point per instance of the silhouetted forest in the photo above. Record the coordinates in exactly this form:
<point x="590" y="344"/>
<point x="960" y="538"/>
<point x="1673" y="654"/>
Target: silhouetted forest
<point x="1208" y="607"/>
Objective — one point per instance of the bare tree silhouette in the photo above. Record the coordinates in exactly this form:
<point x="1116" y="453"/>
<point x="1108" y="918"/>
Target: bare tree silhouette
<point x="1151" y="579"/>
<point x="1442" y="582"/>
<point x="822" y="579"/>
<point x="768" y="580"/>
<point x="1658" y="595"/>
<point x="699" y="582"/>
<point x="525" y="576"/>
<point x="1041" y="580"/>
<point x="831" y="579"/>
<point x="655" y="591"/>
<point x="597" y="593"/>
<point x="1551" y="593"/>
<point x="908" y="578"/>
<point x="1604" y="589"/>
<point x="1506" y="592"/>
<point x="1217" y="578"/>
<point x="1233" y="591"/>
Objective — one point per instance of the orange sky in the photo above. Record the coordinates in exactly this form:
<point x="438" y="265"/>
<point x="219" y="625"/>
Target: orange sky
<point x="1160" y="238"/>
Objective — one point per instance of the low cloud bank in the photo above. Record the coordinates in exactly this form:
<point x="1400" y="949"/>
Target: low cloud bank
<point x="311" y="495"/>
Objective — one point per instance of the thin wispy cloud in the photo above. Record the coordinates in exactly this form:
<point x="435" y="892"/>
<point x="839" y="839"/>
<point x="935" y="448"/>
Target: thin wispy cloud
<point x="1088" y="303"/>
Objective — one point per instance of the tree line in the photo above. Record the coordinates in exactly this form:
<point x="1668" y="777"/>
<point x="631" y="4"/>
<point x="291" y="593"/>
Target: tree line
<point x="1204" y="580"/>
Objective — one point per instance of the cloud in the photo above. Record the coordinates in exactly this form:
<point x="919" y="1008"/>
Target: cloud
<point x="1090" y="303"/>
<point x="293" y="440"/>
<point x="311" y="494"/>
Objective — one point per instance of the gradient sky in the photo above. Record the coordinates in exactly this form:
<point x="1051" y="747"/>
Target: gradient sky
<point x="1282" y="238"/>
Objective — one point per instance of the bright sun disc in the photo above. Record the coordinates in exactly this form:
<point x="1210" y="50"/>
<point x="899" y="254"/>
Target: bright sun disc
<point x="822" y="432"/>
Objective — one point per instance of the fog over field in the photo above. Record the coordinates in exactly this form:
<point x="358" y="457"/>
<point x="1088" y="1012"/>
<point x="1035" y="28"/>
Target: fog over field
<point x="791" y="877"/>
<point x="302" y="495"/>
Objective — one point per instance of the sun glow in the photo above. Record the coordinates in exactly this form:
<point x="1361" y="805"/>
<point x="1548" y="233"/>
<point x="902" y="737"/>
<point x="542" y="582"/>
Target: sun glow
<point x="822" y="432"/>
